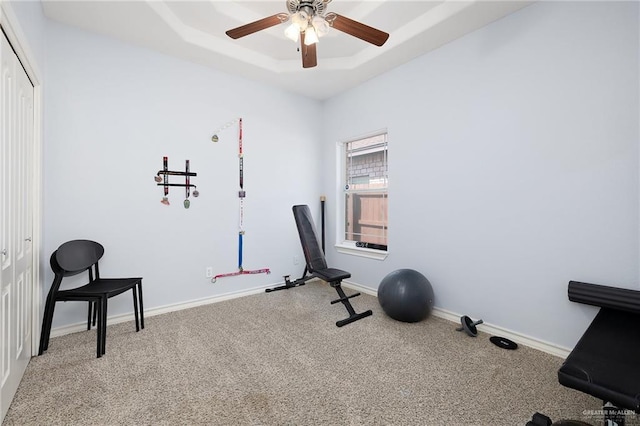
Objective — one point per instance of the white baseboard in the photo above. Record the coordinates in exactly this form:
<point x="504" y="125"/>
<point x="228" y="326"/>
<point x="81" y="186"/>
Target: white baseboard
<point x="519" y="338"/>
<point x="360" y="288"/>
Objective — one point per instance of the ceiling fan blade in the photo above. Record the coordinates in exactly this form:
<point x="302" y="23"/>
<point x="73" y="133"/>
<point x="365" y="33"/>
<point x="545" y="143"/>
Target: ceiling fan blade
<point x="309" y="57"/>
<point x="261" y="24"/>
<point x="359" y="30"/>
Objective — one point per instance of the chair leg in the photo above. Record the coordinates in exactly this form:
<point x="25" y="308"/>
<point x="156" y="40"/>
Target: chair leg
<point x="140" y="304"/>
<point x="104" y="324"/>
<point x="49" y="325"/>
<point x="101" y="308"/>
<point x="89" y="315"/>
<point x="98" y="310"/>
<point x="47" y="318"/>
<point x="134" y="290"/>
<point x="43" y="330"/>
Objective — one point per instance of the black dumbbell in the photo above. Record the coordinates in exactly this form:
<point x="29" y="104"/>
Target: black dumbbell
<point x="469" y="326"/>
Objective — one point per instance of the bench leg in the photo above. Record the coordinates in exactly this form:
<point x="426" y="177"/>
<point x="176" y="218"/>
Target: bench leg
<point x="353" y="316"/>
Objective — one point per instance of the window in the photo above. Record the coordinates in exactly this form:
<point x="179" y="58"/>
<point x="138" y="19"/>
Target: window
<point x="365" y="180"/>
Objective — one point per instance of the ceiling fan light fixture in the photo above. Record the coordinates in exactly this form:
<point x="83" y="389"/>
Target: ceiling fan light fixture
<point x="320" y="25"/>
<point x="301" y="19"/>
<point x="310" y="36"/>
<point x="292" y="32"/>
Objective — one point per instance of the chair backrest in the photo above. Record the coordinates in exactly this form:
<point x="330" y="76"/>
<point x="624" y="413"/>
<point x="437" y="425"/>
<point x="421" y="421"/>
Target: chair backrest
<point x="77" y="256"/>
<point x="313" y="253"/>
<point x="59" y="272"/>
<point x="57" y="269"/>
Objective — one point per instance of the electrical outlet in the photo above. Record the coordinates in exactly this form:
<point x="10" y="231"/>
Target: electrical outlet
<point x="209" y="271"/>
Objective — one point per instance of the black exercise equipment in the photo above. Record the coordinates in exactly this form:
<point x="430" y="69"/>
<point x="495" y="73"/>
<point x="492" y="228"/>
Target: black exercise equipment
<point x="605" y="362"/>
<point x="539" y="420"/>
<point x="503" y="342"/>
<point x="469" y="326"/>
<point x="290" y="284"/>
<point x="406" y="295"/>
<point x="316" y="265"/>
<point x="304" y="278"/>
<point x="542" y="420"/>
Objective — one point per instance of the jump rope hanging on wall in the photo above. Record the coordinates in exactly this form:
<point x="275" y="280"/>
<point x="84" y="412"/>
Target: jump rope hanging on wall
<point x="162" y="179"/>
<point x="241" y="195"/>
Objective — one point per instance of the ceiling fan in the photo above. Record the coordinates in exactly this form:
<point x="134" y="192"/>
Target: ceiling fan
<point x="309" y="21"/>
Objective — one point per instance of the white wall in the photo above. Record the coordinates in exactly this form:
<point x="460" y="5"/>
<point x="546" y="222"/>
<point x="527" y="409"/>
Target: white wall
<point x="112" y="112"/>
<point x="513" y="165"/>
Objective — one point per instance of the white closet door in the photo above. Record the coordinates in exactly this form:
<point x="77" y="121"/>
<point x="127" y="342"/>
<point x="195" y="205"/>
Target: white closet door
<point x="16" y="222"/>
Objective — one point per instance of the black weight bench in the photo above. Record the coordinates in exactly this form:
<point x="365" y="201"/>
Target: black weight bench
<point x="317" y="265"/>
<point x="606" y="361"/>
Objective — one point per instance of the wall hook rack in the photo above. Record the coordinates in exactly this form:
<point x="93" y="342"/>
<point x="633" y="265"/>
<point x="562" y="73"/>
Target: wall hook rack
<point x="162" y="179"/>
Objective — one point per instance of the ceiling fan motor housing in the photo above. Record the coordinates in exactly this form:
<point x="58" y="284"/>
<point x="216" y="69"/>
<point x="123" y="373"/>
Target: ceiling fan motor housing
<point x="311" y="7"/>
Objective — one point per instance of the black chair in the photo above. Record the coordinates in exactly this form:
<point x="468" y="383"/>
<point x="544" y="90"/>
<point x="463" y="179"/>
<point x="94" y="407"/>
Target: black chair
<point x="317" y="265"/>
<point x="73" y="258"/>
<point x="605" y="362"/>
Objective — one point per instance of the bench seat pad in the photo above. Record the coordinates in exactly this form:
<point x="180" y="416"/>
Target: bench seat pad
<point x="606" y="361"/>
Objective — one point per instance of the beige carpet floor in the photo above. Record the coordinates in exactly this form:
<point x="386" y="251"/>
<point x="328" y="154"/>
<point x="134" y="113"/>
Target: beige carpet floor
<point x="279" y="359"/>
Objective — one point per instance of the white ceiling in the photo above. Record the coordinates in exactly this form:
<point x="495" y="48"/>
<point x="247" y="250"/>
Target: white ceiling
<point x="195" y="31"/>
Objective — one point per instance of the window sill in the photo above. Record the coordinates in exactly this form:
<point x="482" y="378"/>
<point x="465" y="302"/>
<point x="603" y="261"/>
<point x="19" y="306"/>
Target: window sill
<point x="351" y="249"/>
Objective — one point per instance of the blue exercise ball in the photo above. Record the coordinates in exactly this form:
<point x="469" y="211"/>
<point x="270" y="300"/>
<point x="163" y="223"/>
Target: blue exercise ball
<point x="406" y="295"/>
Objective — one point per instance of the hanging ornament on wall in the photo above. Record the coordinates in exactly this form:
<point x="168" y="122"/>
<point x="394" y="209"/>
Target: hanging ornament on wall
<point x="214" y="138"/>
<point x="162" y="179"/>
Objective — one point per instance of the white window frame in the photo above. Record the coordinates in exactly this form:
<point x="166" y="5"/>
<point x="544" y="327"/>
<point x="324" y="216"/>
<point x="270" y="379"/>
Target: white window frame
<point x="343" y="246"/>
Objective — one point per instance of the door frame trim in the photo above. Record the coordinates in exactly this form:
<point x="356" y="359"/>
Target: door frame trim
<point x="11" y="27"/>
